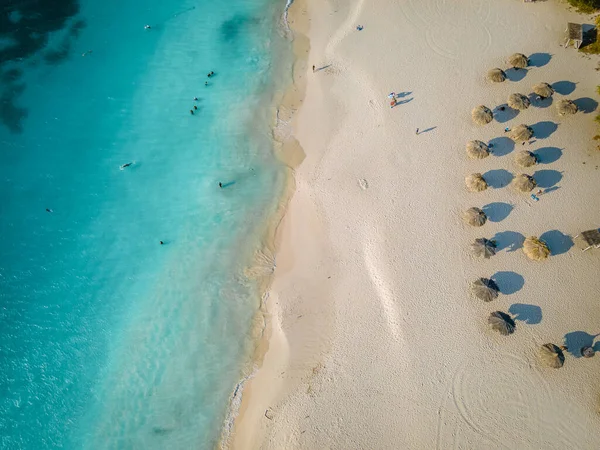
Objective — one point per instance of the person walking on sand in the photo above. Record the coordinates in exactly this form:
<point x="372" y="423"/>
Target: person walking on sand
<point x="506" y="130"/>
<point x="313" y="69"/>
<point x="417" y="132"/>
<point x="393" y="103"/>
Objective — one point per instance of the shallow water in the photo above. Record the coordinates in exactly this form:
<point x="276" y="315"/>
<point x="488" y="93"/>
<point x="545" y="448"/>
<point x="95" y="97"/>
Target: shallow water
<point x="111" y="340"/>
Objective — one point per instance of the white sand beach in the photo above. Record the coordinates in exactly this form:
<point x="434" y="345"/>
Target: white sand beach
<point x="376" y="341"/>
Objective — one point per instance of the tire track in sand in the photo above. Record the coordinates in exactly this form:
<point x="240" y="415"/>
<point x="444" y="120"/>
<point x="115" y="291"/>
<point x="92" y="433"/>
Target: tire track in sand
<point x="499" y="398"/>
<point x="444" y="36"/>
<point x="385" y="296"/>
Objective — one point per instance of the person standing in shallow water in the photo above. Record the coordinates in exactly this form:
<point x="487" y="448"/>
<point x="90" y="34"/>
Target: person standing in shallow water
<point x="220" y="185"/>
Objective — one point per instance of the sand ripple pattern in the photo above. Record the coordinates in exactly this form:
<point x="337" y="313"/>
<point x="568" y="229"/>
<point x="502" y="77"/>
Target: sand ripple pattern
<point x="485" y="402"/>
<point x="445" y="31"/>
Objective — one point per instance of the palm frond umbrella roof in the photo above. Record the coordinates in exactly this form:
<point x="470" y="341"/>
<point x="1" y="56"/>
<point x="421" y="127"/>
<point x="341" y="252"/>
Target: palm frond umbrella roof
<point x="482" y="115"/>
<point x="502" y="323"/>
<point x="477" y="150"/>
<point x="521" y="133"/>
<point x="496" y="75"/>
<point x="483" y="247"/>
<point x="475" y="182"/>
<point x="523" y="183"/>
<point x="518" y="60"/>
<point x="551" y="355"/>
<point x="566" y="107"/>
<point x="543" y="90"/>
<point x="535" y="248"/>
<point x="518" y="101"/>
<point x="485" y="289"/>
<point x="525" y="158"/>
<point x="474" y="217"/>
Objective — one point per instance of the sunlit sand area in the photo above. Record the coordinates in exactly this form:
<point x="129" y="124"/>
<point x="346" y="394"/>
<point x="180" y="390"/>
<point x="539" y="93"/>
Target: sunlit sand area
<point x="433" y="248"/>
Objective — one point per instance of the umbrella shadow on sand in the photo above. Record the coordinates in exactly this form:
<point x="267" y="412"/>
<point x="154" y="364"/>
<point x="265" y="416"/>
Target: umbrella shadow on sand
<point x="547" y="178"/>
<point x="530" y="314"/>
<point x="564" y="87"/>
<point x="543" y="130"/>
<point x="509" y="240"/>
<point x="547" y="155"/>
<point x="586" y="105"/>
<point x="516" y="74"/>
<point x="497" y="178"/>
<point x="576" y="340"/>
<point x="502" y="146"/>
<point x="506" y="114"/>
<point x="508" y="282"/>
<point x="539" y="59"/>
<point x="557" y="242"/>
<point x="540" y="103"/>
<point x="497" y="211"/>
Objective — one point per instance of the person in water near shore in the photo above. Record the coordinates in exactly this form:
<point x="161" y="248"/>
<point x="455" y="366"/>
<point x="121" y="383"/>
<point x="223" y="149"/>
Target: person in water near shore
<point x="126" y="165"/>
<point x="195" y="99"/>
<point x="49" y="210"/>
<point x="195" y="107"/>
<point x="206" y="83"/>
<point x="220" y="185"/>
<point x="192" y="112"/>
<point x="161" y="242"/>
<point x="147" y="27"/>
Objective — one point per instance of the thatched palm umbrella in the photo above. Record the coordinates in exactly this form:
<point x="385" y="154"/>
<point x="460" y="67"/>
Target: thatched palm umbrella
<point x="521" y="133"/>
<point x="523" y="183"/>
<point x="587" y="352"/>
<point x="544" y="90"/>
<point x="485" y="289"/>
<point x="475" y="182"/>
<point x="551" y="355"/>
<point x="535" y="249"/>
<point x="496" y="75"/>
<point x="525" y="159"/>
<point x="474" y="217"/>
<point x="482" y="115"/>
<point x="502" y="323"/>
<point x="566" y="107"/>
<point x="477" y="150"/>
<point x="518" y="101"/>
<point x="518" y="61"/>
<point x="483" y="247"/>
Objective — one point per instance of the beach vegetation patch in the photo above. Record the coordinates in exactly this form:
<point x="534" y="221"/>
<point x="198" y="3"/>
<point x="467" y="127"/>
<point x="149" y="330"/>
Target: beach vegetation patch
<point x="585" y="6"/>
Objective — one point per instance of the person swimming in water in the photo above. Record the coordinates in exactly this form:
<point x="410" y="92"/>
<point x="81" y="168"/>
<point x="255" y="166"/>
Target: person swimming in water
<point x="147" y="27"/>
<point x="49" y="210"/>
<point x="195" y="107"/>
<point x="123" y="166"/>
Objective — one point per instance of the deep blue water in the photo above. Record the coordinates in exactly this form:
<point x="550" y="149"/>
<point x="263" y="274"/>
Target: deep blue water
<point x="109" y="339"/>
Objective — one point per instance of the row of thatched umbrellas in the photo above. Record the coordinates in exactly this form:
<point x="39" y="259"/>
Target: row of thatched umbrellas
<point x="483" y="115"/>
<point x="534" y="248"/>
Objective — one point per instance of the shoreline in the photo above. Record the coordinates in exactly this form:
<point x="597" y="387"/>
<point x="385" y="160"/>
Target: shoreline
<point x="267" y="337"/>
<point x="372" y="339"/>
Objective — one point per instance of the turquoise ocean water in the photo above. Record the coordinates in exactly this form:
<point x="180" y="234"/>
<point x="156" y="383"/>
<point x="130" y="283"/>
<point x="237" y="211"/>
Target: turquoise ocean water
<point x="110" y="340"/>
